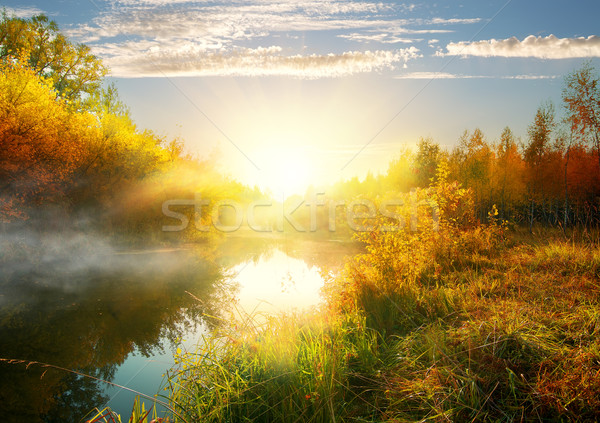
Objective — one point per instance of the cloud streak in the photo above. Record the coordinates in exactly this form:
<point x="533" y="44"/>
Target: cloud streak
<point x="262" y="61"/>
<point x="24" y="12"/>
<point x="445" y="75"/>
<point x="383" y="38"/>
<point x="549" y="47"/>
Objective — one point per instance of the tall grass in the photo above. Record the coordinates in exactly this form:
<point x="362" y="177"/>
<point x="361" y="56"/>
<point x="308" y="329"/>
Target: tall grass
<point x="459" y="324"/>
<point x="307" y="367"/>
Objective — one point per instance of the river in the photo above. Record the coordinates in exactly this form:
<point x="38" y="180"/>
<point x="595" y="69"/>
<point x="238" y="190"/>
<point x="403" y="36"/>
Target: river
<point x="119" y="314"/>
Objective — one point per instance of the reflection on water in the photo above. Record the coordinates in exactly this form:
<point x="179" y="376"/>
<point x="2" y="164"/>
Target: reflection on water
<point x="118" y="315"/>
<point x="276" y="282"/>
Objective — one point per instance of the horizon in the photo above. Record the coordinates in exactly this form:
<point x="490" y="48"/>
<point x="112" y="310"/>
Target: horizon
<point x="310" y="93"/>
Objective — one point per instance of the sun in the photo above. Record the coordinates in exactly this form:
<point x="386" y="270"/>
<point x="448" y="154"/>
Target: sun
<point x="285" y="171"/>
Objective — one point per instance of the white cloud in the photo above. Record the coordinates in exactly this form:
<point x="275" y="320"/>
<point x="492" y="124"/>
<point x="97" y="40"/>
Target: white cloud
<point x="315" y="6"/>
<point x="454" y="21"/>
<point x="549" y="47"/>
<point x="531" y="77"/>
<point x="242" y="21"/>
<point x="177" y="37"/>
<point x="232" y="21"/>
<point x="383" y="38"/>
<point x="262" y="61"/>
<point x="24" y="12"/>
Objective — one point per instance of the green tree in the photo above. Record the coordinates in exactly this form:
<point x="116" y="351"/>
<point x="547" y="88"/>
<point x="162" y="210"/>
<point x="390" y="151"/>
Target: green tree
<point x="427" y="160"/>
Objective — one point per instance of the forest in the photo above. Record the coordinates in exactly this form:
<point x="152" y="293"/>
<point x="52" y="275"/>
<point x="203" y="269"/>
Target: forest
<point x="70" y="153"/>
<point x="70" y="150"/>
<point x="481" y="308"/>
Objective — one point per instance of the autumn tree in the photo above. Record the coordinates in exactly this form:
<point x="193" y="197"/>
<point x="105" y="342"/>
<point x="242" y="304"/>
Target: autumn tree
<point x="543" y="159"/>
<point x="581" y="97"/>
<point x="583" y="178"/>
<point x="52" y="152"/>
<point x="72" y="68"/>
<point x="471" y="165"/>
<point x="400" y="176"/>
<point x="508" y="172"/>
<point x="41" y="141"/>
<point x="427" y="160"/>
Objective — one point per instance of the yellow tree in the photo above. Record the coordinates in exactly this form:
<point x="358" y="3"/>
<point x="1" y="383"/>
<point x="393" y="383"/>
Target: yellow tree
<point x="429" y="155"/>
<point x="400" y="176"/>
<point x="72" y="68"/>
<point x="41" y="141"/>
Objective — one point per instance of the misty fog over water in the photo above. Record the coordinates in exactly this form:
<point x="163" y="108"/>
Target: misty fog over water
<point x="75" y="300"/>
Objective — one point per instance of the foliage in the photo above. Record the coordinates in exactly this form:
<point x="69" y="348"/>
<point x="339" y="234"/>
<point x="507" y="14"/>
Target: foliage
<point x="72" y="69"/>
<point x="427" y="160"/>
<point x="69" y="148"/>
<point x="399" y="267"/>
<point x="41" y="142"/>
<point x="457" y="324"/>
<point x="550" y="178"/>
<point x="441" y="319"/>
<point x="581" y="96"/>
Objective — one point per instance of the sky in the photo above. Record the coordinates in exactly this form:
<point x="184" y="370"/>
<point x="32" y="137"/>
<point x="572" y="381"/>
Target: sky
<point x="286" y="93"/>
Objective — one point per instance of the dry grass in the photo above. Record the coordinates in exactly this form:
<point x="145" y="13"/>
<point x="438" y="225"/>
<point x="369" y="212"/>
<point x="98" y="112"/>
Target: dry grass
<point x="467" y="323"/>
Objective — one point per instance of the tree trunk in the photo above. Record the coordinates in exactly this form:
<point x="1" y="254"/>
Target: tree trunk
<point x="566" y="217"/>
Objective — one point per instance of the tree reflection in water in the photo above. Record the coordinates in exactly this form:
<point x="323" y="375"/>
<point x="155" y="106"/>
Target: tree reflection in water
<point x="87" y="308"/>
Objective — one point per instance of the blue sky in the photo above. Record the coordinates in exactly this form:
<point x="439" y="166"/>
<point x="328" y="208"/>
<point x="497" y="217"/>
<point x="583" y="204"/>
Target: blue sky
<point x="329" y="89"/>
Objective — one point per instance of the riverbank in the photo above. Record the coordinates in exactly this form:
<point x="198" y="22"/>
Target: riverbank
<point x="79" y="302"/>
<point x="470" y="327"/>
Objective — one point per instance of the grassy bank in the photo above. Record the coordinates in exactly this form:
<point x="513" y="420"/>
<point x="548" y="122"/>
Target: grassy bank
<point x="511" y="335"/>
<point x="464" y="323"/>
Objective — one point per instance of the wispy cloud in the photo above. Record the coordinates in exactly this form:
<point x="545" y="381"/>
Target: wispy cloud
<point x="391" y="32"/>
<point x="445" y="75"/>
<point x="262" y="61"/>
<point x="549" y="47"/>
<point x="383" y="38"/>
<point x="231" y="21"/>
<point x="531" y="76"/>
<point x="23" y="12"/>
<point x="208" y="37"/>
<point x="428" y="75"/>
<point x="454" y="21"/>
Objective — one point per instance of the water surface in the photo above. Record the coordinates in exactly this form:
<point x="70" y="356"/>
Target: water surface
<point x="118" y="314"/>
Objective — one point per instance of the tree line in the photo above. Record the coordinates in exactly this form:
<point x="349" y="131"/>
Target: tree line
<point x="549" y="177"/>
<point x="69" y="148"/>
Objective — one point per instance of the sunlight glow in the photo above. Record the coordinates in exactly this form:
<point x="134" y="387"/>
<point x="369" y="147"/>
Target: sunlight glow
<point x="277" y="282"/>
<point x="286" y="171"/>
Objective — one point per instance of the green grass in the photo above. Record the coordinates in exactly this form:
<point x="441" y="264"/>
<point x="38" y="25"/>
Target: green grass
<point x="288" y="368"/>
<point x="470" y="327"/>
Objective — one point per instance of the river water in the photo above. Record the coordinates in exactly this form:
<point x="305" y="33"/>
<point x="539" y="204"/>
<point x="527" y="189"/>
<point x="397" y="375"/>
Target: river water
<point x="119" y="314"/>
